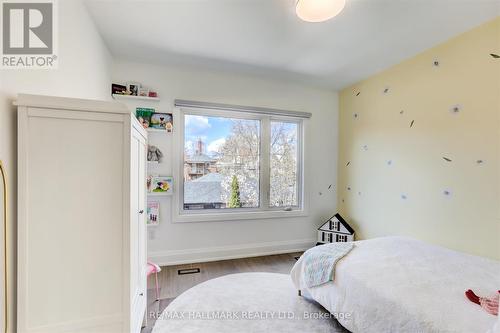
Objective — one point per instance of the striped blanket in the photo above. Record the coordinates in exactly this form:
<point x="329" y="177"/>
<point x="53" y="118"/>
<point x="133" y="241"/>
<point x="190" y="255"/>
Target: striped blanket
<point x="320" y="261"/>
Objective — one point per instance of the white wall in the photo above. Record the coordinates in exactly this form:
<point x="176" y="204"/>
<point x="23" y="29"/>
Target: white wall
<point x="84" y="72"/>
<point x="190" y="242"/>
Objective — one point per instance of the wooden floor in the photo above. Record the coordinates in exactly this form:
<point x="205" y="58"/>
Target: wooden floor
<point x="172" y="284"/>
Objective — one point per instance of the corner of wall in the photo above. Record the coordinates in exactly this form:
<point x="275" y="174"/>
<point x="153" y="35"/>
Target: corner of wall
<point x="419" y="150"/>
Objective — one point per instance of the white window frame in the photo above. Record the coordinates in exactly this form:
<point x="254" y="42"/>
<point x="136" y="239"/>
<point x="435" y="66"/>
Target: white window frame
<point x="229" y="214"/>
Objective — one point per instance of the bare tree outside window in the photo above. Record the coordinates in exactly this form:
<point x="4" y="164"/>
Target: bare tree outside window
<point x="283" y="182"/>
<point x="222" y="162"/>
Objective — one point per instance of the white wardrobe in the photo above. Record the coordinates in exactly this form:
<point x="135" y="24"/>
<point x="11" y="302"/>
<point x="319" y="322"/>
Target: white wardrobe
<point x="81" y="216"/>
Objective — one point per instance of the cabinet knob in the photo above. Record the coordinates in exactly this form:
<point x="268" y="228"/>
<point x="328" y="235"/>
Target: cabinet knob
<point x="141" y="211"/>
<point x="141" y="294"/>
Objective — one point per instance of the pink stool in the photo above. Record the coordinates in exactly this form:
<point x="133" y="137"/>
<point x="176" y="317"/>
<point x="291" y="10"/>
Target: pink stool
<point x="154" y="269"/>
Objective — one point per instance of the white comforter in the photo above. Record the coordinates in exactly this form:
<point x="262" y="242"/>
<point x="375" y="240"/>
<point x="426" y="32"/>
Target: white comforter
<point x="396" y="284"/>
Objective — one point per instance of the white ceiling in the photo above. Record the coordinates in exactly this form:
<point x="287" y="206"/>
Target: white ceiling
<point x="265" y="37"/>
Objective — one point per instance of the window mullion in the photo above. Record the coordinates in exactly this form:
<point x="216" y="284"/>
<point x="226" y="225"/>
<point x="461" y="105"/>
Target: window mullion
<point x="265" y="169"/>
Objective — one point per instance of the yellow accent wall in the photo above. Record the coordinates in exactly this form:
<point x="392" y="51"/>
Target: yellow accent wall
<point x="420" y="146"/>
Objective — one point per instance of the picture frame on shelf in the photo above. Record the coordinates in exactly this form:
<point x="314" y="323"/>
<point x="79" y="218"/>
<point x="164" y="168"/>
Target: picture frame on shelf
<point x="153" y="213"/>
<point x="133" y="87"/>
<point x="162" y="121"/>
<point x="161" y="185"/>
<point x="144" y="116"/>
<point x="118" y="89"/>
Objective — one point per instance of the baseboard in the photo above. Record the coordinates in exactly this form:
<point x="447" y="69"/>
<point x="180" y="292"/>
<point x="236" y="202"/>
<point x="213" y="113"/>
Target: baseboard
<point x="196" y="255"/>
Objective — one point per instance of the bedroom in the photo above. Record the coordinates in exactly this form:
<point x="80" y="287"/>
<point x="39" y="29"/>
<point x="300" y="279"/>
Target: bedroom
<point x="258" y="126"/>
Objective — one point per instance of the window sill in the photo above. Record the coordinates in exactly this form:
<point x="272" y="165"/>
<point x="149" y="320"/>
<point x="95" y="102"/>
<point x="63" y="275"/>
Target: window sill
<point x="221" y="216"/>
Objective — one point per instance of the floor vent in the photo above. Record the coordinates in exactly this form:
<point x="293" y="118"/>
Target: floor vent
<point x="188" y="271"/>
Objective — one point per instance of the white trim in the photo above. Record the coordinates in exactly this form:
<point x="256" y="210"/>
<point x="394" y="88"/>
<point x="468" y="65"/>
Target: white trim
<point x="22" y="216"/>
<point x="177" y="160"/>
<point x="228" y="215"/>
<point x="265" y="160"/>
<point x="63" y="103"/>
<point x="305" y="165"/>
<point x="190" y="256"/>
<point x="138" y="127"/>
<point x="240" y="108"/>
<point x="128" y="131"/>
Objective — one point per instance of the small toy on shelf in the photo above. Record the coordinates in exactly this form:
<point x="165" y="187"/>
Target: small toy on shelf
<point x="154" y="154"/>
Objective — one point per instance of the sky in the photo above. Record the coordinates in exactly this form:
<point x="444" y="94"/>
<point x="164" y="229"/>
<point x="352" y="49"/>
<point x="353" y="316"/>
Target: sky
<point x="211" y="130"/>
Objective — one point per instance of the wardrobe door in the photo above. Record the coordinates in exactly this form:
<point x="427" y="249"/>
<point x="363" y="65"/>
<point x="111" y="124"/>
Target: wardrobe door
<point x="138" y="229"/>
<point x="134" y="222"/>
<point x="142" y="227"/>
<point x="71" y="208"/>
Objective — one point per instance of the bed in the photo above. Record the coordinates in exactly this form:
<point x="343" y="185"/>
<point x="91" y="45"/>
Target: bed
<point x="396" y="284"/>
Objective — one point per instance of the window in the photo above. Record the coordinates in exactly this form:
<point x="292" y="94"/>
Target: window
<point x="227" y="152"/>
<point x="341" y="238"/>
<point x="240" y="162"/>
<point x="284" y="172"/>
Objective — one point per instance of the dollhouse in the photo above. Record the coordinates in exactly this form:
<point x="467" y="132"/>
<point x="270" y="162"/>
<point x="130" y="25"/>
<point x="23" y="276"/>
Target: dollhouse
<point x="336" y="229"/>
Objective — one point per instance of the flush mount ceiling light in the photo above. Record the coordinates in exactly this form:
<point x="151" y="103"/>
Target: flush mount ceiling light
<point x="318" y="10"/>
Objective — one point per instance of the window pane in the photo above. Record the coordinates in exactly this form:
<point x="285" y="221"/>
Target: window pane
<point x="221" y="162"/>
<point x="284" y="189"/>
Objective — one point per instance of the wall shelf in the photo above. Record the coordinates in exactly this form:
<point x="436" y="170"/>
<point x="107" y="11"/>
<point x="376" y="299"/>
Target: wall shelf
<point x="130" y="97"/>
<point x="160" y="194"/>
<point x="156" y="130"/>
